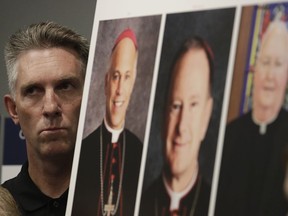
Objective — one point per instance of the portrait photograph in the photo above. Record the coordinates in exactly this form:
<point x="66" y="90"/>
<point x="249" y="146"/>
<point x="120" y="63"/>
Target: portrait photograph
<point x="116" y="116"/>
<point x="189" y="96"/>
<point x="252" y="169"/>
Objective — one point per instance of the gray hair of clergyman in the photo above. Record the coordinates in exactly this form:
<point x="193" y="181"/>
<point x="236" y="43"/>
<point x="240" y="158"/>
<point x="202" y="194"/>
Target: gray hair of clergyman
<point x="42" y="36"/>
<point x="278" y="26"/>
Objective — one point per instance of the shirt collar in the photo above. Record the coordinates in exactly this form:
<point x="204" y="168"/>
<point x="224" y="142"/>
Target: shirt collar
<point x="115" y="133"/>
<point x="263" y="125"/>
<point x="176" y="197"/>
<point x="29" y="195"/>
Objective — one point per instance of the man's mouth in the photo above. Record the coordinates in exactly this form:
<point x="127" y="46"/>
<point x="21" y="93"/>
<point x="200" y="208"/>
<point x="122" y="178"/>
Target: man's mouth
<point x="52" y="130"/>
<point x="178" y="144"/>
<point x="118" y="103"/>
<point x="268" y="89"/>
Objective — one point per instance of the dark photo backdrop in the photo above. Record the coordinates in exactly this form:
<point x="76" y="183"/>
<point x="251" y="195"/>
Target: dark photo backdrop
<point x="216" y="27"/>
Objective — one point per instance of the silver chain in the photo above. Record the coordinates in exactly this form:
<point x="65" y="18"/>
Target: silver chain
<point x="101" y="173"/>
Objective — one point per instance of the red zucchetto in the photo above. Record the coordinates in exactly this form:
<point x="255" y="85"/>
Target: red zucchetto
<point x="127" y="33"/>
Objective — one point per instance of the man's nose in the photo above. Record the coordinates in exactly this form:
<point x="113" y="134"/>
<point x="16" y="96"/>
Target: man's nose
<point x="183" y="121"/>
<point x="51" y="106"/>
<point x="120" y="84"/>
<point x="270" y="71"/>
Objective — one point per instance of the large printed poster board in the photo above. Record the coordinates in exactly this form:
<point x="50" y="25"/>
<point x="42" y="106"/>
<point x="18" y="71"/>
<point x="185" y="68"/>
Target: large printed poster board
<point x="162" y="129"/>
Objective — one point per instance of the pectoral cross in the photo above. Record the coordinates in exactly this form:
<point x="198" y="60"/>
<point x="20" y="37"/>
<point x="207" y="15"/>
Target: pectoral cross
<point x="108" y="208"/>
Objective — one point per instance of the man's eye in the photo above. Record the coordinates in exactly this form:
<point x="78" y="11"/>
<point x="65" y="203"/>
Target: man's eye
<point x="278" y="63"/>
<point x="65" y="86"/>
<point x="193" y="104"/>
<point x="175" y="107"/>
<point x="31" y="90"/>
<point x="265" y="62"/>
<point x="127" y="76"/>
<point x="115" y="77"/>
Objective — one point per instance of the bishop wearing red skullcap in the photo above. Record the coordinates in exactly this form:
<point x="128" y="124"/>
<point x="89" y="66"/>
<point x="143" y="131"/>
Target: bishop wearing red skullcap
<point x="109" y="186"/>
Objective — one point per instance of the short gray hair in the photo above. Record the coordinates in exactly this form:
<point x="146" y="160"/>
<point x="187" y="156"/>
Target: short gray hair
<point x="276" y="26"/>
<point x="41" y="36"/>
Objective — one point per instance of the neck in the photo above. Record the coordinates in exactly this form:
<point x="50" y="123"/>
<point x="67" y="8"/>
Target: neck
<point x="115" y="132"/>
<point x="264" y="115"/>
<point x="52" y="177"/>
<point x="179" y="183"/>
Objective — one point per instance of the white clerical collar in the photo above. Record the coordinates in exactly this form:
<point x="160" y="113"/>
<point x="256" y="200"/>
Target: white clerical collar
<point x="115" y="133"/>
<point x="175" y="197"/>
<point x="262" y="125"/>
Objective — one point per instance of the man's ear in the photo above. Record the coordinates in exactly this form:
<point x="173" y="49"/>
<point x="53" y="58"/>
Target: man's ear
<point x="11" y="108"/>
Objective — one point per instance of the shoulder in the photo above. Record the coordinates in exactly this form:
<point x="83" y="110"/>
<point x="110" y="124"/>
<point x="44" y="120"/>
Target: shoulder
<point x="154" y="190"/>
<point x="154" y="186"/>
<point x="238" y="129"/>
<point x="133" y="153"/>
<point x="204" y="197"/>
<point x="241" y="121"/>
<point x="149" y="196"/>
<point x="283" y="116"/>
<point x="13" y="184"/>
<point x="129" y="134"/>
<point x="88" y="143"/>
<point x="205" y="189"/>
<point x="20" y="185"/>
<point x="89" y="149"/>
<point x="280" y="129"/>
<point x="133" y="142"/>
<point x="92" y="135"/>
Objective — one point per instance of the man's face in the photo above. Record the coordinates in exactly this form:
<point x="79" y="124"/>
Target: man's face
<point x="189" y="112"/>
<point x="47" y="102"/>
<point x="271" y="73"/>
<point x="119" y="82"/>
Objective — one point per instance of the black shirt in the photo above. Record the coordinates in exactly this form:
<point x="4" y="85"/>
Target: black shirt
<point x="87" y="196"/>
<point x="156" y="200"/>
<point x="252" y="170"/>
<point x="31" y="200"/>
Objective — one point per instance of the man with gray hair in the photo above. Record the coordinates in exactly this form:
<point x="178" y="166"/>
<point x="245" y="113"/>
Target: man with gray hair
<point x="46" y="66"/>
<point x="252" y="173"/>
